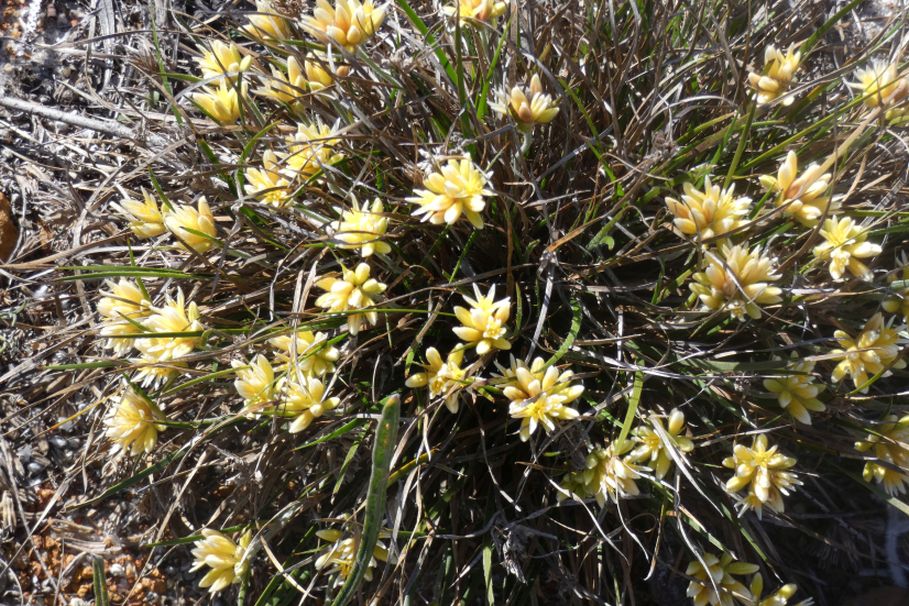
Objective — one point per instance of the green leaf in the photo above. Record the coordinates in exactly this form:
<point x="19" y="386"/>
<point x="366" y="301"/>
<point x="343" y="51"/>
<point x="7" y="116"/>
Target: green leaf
<point x="382" y="452"/>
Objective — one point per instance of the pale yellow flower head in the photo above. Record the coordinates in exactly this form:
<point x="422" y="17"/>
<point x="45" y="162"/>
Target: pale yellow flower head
<point x="780" y="597"/>
<point x="158" y="354"/>
<point x="654" y="441"/>
<point x="312" y="148"/>
<point x="797" y="392"/>
<point x="709" y="213"/>
<point x="133" y="424"/>
<point x="349" y="23"/>
<point x="527" y="106"/>
<point x="123" y="299"/>
<point x="845" y="243"/>
<point x="226" y="558"/>
<point x="362" y="228"/>
<point x="444" y="378"/>
<point x="123" y="308"/>
<point x="881" y="84"/>
<point x="221" y="103"/>
<point x="457" y="188"/>
<point x="716" y="585"/>
<point x="737" y="280"/>
<point x="338" y="557"/>
<point x="483" y="11"/>
<point x="304" y="400"/>
<point x="314" y="356"/>
<point x="607" y="476"/>
<point x="266" y="24"/>
<point x="778" y="74"/>
<point x="193" y="227"/>
<point x="353" y="291"/>
<point x="764" y="472"/>
<point x="804" y="197"/>
<point x="222" y="60"/>
<point x="144" y="218"/>
<point x="539" y="395"/>
<point x="483" y="325"/>
<point x="267" y="184"/>
<point x="255" y="383"/>
<point x="887" y="443"/>
<point x="876" y="350"/>
<point x="297" y="82"/>
<point x="898" y="302"/>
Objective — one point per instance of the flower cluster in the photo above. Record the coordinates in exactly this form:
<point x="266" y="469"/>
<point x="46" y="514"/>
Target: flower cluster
<point x="876" y="351"/>
<point x="764" y="472"/>
<point x="607" y="475"/>
<point x="803" y="197"/>
<point x="737" y="280"/>
<point x="797" y="391"/>
<point x="349" y="293"/>
<point x="845" y="243"/>
<point x="226" y="558"/>
<point x="655" y="443"/>
<point x="527" y="106"/>
<point x="887" y="443"/>
<point x="708" y="214"/>
<point x="134" y="423"/>
<point x="539" y="395"/>
<point x="457" y="188"/>
<point x="778" y="75"/>
<point x="338" y="557"/>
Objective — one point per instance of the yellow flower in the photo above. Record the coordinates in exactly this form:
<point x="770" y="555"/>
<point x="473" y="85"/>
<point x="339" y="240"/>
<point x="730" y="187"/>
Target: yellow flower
<point x="222" y="60"/>
<point x="266" y="25"/>
<point x="314" y="356"/>
<point x="267" y="184"/>
<point x="607" y="476"/>
<point x="222" y="104"/>
<point x="144" y="218"/>
<point x="887" y="443"/>
<point x="875" y="351"/>
<point x="797" y="392"/>
<point x="779" y="73"/>
<point x="716" y="585"/>
<point x="845" y="242"/>
<point x="763" y="472"/>
<point x="362" y="228"/>
<point x="193" y="227"/>
<point x="255" y="383"/>
<point x="123" y="307"/>
<point x="226" y="559"/>
<point x="133" y="424"/>
<point x="354" y="290"/>
<point x="804" y="198"/>
<point x="899" y="301"/>
<point x="881" y="84"/>
<point x="476" y="10"/>
<point x="457" y="188"/>
<point x="339" y="556"/>
<point x="349" y="23"/>
<point x="737" y="280"/>
<point x="539" y="395"/>
<point x="159" y="353"/>
<point x="291" y="87"/>
<point x="780" y="597"/>
<point x="444" y="378"/>
<point x="304" y="400"/>
<point x="653" y="444"/>
<point x="709" y="213"/>
<point x="311" y="149"/>
<point x="527" y="107"/>
<point x="483" y="324"/>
